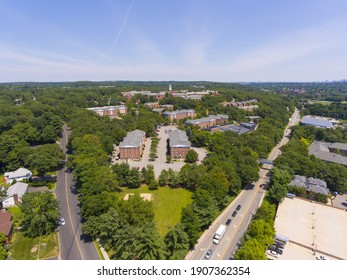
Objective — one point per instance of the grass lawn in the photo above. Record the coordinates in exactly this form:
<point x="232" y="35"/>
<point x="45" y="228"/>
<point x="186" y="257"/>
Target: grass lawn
<point x="25" y="248"/>
<point x="167" y="204"/>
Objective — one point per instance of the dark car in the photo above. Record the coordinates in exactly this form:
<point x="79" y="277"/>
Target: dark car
<point x="234" y="214"/>
<point x="279" y="245"/>
<point x="238" y="207"/>
<point x="228" y="222"/>
<point x="279" y="250"/>
<point x="208" y="254"/>
<point x="272" y="247"/>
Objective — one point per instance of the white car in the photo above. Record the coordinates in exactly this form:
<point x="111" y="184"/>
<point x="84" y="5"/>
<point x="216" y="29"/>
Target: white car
<point x="273" y="253"/>
<point x="62" y="221"/>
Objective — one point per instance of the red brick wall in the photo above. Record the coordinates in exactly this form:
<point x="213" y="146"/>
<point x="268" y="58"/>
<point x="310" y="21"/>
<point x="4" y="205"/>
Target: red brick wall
<point x="176" y="153"/>
<point x="130" y="153"/>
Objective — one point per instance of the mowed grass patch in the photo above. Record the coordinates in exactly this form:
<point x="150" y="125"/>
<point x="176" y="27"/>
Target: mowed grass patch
<point x="26" y="248"/>
<point x="167" y="204"/>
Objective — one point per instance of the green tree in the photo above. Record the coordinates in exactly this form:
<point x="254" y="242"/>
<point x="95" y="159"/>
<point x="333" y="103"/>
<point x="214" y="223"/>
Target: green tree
<point x="191" y="224"/>
<point x="192" y="156"/>
<point x="40" y="213"/>
<point x="251" y="250"/>
<point x="48" y="157"/>
<point x="277" y="192"/>
<point x="263" y="232"/>
<point x="177" y="242"/>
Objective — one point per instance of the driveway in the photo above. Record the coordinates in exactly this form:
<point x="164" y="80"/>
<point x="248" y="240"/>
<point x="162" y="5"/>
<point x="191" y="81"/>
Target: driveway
<point x="340" y="201"/>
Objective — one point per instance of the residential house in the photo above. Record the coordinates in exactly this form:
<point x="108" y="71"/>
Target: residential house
<point x="14" y="194"/>
<point x="6" y="225"/>
<point x="179" y="144"/>
<point x="132" y="145"/>
<point x="18" y="175"/>
<point x="310" y="184"/>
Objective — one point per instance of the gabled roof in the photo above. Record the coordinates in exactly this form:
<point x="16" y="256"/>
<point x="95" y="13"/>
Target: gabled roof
<point x="133" y="139"/>
<point x="178" y="138"/>
<point x="321" y="151"/>
<point x="5" y="222"/>
<point x="21" y="172"/>
<point x="310" y="184"/>
<point x="179" y="112"/>
<point x="18" y="188"/>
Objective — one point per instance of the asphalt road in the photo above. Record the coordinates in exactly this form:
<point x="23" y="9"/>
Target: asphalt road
<point x="72" y="245"/>
<point x="250" y="199"/>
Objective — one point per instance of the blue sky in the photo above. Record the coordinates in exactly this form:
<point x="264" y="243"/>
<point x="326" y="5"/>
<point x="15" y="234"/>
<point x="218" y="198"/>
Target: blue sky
<point x="219" y="40"/>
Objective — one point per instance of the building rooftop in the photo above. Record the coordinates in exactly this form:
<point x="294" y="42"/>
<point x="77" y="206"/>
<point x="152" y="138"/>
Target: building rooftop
<point x="179" y="112"/>
<point x="133" y="139"/>
<point x="104" y="108"/>
<point x="18" y="188"/>
<point x="5" y="222"/>
<point x="316" y="121"/>
<point x="178" y="138"/>
<point x="321" y="151"/>
<point x="21" y="172"/>
<point x="207" y="119"/>
<point x="312" y="225"/>
<point x="310" y="184"/>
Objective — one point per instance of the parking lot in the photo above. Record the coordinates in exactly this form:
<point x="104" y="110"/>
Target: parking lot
<point x="160" y="162"/>
<point x="313" y="229"/>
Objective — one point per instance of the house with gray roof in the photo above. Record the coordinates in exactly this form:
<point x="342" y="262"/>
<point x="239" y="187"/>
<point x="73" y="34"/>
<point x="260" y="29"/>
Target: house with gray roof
<point x="132" y="145"/>
<point x="310" y="184"/>
<point x="19" y="175"/>
<point x="327" y="151"/>
<point x="14" y="194"/>
<point x="179" y="144"/>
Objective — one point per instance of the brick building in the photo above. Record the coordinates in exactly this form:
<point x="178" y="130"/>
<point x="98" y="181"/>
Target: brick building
<point x="179" y="144"/>
<point x="110" y="111"/>
<point x="209" y="121"/>
<point x="180" y="114"/>
<point x="132" y="145"/>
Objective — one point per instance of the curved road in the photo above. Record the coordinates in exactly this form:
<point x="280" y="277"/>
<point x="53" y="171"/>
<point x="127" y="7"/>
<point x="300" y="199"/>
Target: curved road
<point x="250" y="199"/>
<point x="72" y="245"/>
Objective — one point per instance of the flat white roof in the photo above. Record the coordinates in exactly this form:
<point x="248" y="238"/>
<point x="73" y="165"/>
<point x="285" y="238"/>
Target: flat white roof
<point x="311" y="226"/>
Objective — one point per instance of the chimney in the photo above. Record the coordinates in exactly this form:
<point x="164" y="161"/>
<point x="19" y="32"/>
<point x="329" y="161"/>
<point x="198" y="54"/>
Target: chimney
<point x="15" y="199"/>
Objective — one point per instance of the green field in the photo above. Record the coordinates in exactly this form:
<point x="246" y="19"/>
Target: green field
<point x="25" y="248"/>
<point x="167" y="203"/>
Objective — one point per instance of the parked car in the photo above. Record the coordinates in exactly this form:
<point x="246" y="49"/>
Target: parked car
<point x="279" y="250"/>
<point x="238" y="207"/>
<point x="62" y="221"/>
<point x="228" y="222"/>
<point x="234" y="214"/>
<point x="273" y="253"/>
<point x="272" y="247"/>
<point x="322" y="258"/>
<point x="208" y="254"/>
<point x="280" y="245"/>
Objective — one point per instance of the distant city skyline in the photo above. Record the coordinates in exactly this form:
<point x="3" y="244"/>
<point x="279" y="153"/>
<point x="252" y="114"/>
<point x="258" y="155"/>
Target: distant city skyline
<point x="153" y="40"/>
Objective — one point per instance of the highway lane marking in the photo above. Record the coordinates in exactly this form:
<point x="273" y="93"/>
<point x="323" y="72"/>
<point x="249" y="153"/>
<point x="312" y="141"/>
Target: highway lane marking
<point x="261" y="180"/>
<point x="68" y="209"/>
<point x="236" y="229"/>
